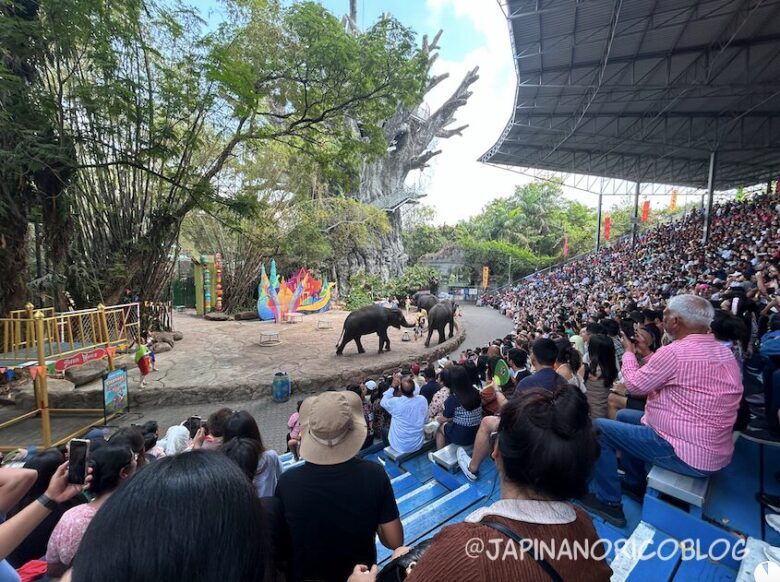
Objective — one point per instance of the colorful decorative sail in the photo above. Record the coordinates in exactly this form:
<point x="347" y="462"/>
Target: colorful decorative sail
<point x="302" y="293"/>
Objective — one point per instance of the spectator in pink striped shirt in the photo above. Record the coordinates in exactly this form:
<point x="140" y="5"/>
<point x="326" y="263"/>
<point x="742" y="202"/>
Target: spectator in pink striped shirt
<point x="693" y="389"/>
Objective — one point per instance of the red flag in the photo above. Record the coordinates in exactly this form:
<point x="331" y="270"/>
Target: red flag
<point x="34" y="372"/>
<point x="645" y="210"/>
<point x="565" y="246"/>
<point x="607" y="227"/>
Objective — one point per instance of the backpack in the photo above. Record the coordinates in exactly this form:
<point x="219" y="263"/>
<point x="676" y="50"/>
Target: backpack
<point x="770" y="345"/>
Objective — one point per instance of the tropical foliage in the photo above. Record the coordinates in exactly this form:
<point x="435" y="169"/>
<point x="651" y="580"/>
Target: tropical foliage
<point x="121" y="118"/>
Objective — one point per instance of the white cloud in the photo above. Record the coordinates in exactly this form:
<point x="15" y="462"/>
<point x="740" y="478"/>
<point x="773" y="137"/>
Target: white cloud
<point x="457" y="184"/>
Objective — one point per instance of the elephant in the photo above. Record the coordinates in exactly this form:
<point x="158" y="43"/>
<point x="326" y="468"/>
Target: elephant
<point x="438" y="317"/>
<point x="370" y="319"/>
<point x="424" y="300"/>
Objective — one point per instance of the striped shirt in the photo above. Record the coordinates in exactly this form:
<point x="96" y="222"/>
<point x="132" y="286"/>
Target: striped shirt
<point x="693" y="389"/>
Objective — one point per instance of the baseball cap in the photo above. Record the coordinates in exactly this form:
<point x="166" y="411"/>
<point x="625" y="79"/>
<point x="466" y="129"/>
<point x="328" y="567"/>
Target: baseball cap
<point x="370" y="385"/>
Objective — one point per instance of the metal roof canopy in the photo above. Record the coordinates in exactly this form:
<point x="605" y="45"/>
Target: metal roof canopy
<point x="645" y="90"/>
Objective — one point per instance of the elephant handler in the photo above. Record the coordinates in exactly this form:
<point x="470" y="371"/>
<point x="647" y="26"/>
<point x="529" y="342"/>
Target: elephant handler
<point x="419" y="325"/>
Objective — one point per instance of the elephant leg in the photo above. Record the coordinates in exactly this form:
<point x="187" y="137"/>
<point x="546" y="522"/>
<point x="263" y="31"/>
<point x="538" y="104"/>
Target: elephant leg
<point x="344" y="342"/>
<point x="359" y="345"/>
<point x="452" y="325"/>
<point x="387" y="342"/>
<point x="430" y="333"/>
<point x="442" y="333"/>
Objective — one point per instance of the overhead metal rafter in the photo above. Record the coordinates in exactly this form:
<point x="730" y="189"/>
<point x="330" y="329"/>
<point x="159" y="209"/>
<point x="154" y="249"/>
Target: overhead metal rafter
<point x="644" y="90"/>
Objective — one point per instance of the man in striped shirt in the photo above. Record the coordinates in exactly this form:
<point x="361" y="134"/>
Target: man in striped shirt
<point x="693" y="388"/>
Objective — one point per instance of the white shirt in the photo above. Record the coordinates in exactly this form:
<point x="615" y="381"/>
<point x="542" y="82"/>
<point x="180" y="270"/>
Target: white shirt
<point x="408" y="422"/>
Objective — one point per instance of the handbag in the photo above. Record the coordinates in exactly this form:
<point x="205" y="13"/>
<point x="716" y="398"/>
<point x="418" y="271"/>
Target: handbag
<point x="489" y="401"/>
<point x="500" y="527"/>
<point x="399" y="568"/>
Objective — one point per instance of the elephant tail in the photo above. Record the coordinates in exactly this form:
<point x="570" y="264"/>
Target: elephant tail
<point x="343" y="328"/>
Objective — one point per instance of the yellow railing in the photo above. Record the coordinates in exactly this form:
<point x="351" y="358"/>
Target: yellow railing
<point x="40" y="339"/>
<point x="66" y="334"/>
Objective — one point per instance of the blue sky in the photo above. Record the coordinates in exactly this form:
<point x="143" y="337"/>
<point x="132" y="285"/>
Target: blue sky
<point x="475" y="34"/>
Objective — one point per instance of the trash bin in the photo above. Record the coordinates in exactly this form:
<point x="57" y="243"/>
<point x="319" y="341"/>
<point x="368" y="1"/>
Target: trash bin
<point x="281" y="387"/>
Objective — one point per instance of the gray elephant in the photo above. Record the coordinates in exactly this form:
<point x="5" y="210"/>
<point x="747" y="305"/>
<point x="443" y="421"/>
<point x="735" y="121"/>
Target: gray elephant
<point x="424" y="300"/>
<point x="438" y="317"/>
<point x="370" y="319"/>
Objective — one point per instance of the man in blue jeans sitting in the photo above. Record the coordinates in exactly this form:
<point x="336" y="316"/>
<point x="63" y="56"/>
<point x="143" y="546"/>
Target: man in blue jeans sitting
<point x="693" y="388"/>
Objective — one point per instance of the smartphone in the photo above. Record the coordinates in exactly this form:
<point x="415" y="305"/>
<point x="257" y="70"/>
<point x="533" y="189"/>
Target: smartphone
<point x="78" y="457"/>
<point x="627" y="327"/>
<point x="193" y="424"/>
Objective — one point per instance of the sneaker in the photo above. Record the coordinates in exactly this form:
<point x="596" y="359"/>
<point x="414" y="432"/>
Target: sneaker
<point x="610" y="513"/>
<point x="773" y="521"/>
<point x="463" y="462"/>
<point x="770" y="501"/>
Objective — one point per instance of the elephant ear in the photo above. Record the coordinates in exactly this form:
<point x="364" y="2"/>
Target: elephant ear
<point x="502" y="372"/>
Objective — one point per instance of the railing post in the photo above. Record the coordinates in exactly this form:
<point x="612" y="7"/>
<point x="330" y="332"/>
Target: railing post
<point x="42" y="394"/>
<point x="104" y="332"/>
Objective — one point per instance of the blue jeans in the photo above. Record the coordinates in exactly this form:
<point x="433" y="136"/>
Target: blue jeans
<point x="639" y="445"/>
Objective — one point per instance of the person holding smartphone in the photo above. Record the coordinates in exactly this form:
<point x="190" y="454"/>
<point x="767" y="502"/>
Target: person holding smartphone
<point x="110" y="464"/>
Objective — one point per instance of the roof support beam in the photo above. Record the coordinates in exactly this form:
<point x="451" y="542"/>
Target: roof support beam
<point x="710" y="197"/>
<point x="635" y="217"/>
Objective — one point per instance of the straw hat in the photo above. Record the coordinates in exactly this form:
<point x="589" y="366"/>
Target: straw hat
<point x="333" y="427"/>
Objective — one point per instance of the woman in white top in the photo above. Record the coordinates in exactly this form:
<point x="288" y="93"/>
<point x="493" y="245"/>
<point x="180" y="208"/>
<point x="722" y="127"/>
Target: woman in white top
<point x="569" y="363"/>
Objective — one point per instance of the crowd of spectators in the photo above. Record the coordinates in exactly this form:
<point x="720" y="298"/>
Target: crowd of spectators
<point x="629" y="357"/>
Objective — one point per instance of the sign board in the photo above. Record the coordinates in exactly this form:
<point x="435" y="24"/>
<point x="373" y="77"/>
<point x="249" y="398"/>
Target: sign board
<point x="79" y="359"/>
<point x="115" y="393"/>
<point x="485" y="276"/>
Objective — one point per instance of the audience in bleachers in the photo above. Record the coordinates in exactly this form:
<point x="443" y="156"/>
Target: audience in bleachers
<point x="409" y="413"/>
<point x="111" y="464"/>
<point x="544" y="450"/>
<point x="693" y="388"/>
<point x="192" y="516"/>
<point x="242" y="425"/>
<point x="335" y="504"/>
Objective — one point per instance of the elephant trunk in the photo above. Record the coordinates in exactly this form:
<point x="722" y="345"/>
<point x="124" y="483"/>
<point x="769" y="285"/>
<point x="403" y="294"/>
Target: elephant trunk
<point x="405" y="323"/>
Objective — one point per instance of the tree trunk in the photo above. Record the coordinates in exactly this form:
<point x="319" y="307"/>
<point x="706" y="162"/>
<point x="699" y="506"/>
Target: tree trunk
<point x="409" y="135"/>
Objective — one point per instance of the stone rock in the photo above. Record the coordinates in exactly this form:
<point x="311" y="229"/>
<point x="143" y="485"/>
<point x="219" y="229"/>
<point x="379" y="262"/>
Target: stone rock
<point x="161" y="347"/>
<point x="85" y="374"/>
<point x="60" y="385"/>
<point x="216" y="316"/>
<point x="245" y="315"/>
<point x="163" y="336"/>
<point x="178" y="336"/>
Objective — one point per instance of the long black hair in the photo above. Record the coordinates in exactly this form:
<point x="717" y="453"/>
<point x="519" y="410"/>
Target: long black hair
<point x="601" y="350"/>
<point x="568" y="354"/>
<point x="547" y="442"/>
<point x="178" y="536"/>
<point x="244" y="453"/>
<point x="107" y="463"/>
<point x="461" y="386"/>
<point x="241" y="424"/>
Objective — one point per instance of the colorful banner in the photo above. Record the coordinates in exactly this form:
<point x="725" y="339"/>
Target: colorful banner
<point x="79" y="359"/>
<point x="485" y="276"/>
<point x="673" y="205"/>
<point x="645" y="211"/>
<point x="607" y="227"/>
<point x="565" y="247"/>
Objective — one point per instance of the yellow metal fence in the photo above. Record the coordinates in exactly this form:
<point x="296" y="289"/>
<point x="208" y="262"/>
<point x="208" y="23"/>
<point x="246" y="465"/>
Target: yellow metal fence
<point x="66" y="334"/>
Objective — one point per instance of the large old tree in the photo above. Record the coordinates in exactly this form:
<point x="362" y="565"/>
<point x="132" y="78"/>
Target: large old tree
<point x="412" y="136"/>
